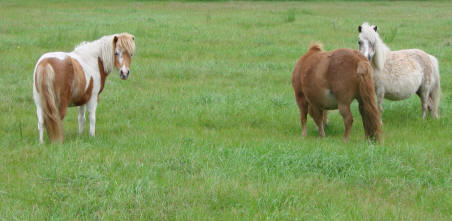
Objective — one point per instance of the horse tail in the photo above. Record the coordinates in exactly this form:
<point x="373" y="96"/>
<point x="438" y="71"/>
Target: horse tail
<point x="49" y="102"/>
<point x="367" y="105"/>
<point x="435" y="92"/>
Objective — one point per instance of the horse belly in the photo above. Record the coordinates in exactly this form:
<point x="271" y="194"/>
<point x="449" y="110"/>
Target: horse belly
<point x="402" y="88"/>
<point x="329" y="102"/>
<point x="402" y="77"/>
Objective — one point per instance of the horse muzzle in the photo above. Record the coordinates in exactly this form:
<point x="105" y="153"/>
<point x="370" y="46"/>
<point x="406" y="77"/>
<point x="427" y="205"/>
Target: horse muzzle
<point x="124" y="75"/>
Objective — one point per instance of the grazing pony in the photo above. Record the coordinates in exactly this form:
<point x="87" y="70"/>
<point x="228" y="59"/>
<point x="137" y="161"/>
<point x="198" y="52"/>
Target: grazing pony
<point x="400" y="74"/>
<point x="330" y="80"/>
<point x="77" y="78"/>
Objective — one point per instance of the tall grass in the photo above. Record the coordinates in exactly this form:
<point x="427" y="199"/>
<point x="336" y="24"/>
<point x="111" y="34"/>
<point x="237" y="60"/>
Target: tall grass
<point x="207" y="127"/>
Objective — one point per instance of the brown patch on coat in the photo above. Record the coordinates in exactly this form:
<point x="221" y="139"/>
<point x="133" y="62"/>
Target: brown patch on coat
<point x="103" y="76"/>
<point x="69" y="83"/>
<point x="80" y="96"/>
<point x="332" y="80"/>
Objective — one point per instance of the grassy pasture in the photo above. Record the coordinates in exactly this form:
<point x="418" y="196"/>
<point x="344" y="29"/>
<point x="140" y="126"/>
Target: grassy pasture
<point x="207" y="127"/>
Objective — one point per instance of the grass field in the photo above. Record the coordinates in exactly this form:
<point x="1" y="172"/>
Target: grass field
<point x="207" y="127"/>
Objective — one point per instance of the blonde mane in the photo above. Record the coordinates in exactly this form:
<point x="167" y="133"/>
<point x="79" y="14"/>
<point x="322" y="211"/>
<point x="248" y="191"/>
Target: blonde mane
<point x="380" y="48"/>
<point x="104" y="48"/>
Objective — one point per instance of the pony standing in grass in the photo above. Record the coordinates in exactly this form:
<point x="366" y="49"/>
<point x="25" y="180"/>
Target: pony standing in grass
<point x="400" y="74"/>
<point x="77" y="78"/>
<point x="330" y="80"/>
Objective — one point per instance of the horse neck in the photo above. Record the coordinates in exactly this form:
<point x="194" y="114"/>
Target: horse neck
<point x="381" y="54"/>
<point x="103" y="49"/>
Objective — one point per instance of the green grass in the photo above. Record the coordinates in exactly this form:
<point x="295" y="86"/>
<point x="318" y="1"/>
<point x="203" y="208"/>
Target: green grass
<point x="207" y="127"/>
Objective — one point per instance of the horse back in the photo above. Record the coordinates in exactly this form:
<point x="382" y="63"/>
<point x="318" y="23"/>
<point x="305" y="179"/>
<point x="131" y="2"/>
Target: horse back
<point x="333" y="74"/>
<point x="69" y="81"/>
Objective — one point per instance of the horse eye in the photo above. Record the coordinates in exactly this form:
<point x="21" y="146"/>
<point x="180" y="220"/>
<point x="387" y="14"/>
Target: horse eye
<point x="116" y="53"/>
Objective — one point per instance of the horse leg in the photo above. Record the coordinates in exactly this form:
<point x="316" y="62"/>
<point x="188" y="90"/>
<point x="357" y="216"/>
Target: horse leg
<point x="81" y="118"/>
<point x="317" y="115"/>
<point x="325" y="118"/>
<point x="380" y="98"/>
<point x="423" y="95"/>
<point x="434" y="97"/>
<point x="92" y="105"/>
<point x="344" y="109"/>
<point x="303" y="106"/>
<point x="40" y="114"/>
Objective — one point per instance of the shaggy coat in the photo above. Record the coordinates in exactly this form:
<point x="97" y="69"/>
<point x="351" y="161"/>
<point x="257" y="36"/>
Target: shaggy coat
<point x="400" y="74"/>
<point x="61" y="80"/>
<point x="332" y="80"/>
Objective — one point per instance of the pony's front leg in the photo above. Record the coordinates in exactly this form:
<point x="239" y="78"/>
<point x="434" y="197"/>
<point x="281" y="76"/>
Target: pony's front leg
<point x="423" y="94"/>
<point x="81" y="118"/>
<point x="380" y="98"/>
<point x="92" y="105"/>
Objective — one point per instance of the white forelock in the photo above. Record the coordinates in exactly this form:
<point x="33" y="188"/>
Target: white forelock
<point x="368" y="33"/>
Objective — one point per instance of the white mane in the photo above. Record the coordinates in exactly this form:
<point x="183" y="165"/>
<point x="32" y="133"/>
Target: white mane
<point x="102" y="48"/>
<point x="381" y="50"/>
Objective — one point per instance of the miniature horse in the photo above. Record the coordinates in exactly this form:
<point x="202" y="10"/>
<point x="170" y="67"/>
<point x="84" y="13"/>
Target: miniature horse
<point x="400" y="74"/>
<point x="77" y="78"/>
<point x="330" y="80"/>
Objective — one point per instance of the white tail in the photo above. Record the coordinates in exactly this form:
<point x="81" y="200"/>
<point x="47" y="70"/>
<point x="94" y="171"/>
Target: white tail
<point x="435" y="92"/>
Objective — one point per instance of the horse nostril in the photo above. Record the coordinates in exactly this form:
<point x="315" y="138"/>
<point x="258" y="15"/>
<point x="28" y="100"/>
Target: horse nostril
<point x="120" y="71"/>
<point x="128" y="71"/>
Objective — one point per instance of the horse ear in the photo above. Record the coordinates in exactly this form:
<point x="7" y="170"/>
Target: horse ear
<point x="359" y="28"/>
<point x="115" y="39"/>
<point x="375" y="28"/>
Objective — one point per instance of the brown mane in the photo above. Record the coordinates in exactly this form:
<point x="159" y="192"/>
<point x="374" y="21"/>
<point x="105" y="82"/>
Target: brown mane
<point x="316" y="47"/>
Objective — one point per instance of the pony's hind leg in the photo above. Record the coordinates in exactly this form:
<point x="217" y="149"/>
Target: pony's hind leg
<point x="325" y="118"/>
<point x="317" y="115"/>
<point x="423" y="95"/>
<point x="40" y="114"/>
<point x="303" y="106"/>
<point x="344" y="109"/>
<point x="434" y="100"/>
<point x="81" y="118"/>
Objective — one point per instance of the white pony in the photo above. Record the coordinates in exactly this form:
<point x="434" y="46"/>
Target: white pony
<point x="77" y="78"/>
<point x="400" y="74"/>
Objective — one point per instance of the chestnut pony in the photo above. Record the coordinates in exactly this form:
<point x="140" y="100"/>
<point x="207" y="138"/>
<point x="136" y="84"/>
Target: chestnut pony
<point x="77" y="78"/>
<point x="332" y="80"/>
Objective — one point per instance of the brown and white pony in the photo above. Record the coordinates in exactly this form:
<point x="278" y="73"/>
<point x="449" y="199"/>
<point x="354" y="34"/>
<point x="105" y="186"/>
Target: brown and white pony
<point x="332" y="80"/>
<point x="77" y="78"/>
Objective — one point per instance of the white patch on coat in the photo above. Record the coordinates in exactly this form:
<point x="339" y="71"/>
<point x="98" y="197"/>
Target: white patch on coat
<point x="398" y="74"/>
